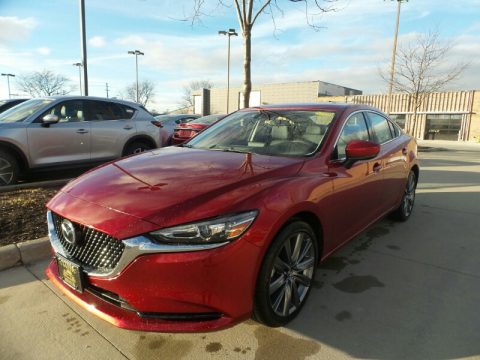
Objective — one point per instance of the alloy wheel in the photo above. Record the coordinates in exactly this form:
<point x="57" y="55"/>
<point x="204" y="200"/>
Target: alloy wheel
<point x="6" y="172"/>
<point x="292" y="274"/>
<point x="409" y="195"/>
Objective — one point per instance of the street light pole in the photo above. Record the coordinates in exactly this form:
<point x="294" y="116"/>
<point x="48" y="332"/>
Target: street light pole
<point x="394" y="53"/>
<point x="79" y="65"/>
<point x="83" y="41"/>
<point x="136" y="53"/>
<point x="8" y="83"/>
<point x="229" y="33"/>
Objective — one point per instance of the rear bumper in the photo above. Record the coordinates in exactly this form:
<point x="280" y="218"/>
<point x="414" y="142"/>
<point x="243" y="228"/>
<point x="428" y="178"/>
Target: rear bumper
<point x="176" y="292"/>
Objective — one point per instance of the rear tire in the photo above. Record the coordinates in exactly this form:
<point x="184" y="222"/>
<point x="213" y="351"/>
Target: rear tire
<point x="137" y="147"/>
<point x="286" y="275"/>
<point x="9" y="169"/>
<point x="403" y="212"/>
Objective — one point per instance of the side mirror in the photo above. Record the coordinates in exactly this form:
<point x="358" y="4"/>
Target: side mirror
<point x="50" y="119"/>
<point x="360" y="150"/>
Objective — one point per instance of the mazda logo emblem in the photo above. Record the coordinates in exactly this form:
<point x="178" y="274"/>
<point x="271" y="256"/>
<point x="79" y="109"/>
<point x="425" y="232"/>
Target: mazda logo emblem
<point x="68" y="232"/>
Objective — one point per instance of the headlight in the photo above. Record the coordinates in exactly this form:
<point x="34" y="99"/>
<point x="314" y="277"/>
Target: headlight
<point x="218" y="230"/>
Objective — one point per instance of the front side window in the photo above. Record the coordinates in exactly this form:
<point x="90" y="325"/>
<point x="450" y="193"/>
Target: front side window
<point x="67" y="111"/>
<point x="381" y="129"/>
<point x="267" y="132"/>
<point x="355" y="129"/>
<point x="22" y="111"/>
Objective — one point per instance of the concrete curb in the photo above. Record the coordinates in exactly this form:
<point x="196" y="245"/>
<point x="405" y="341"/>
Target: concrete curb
<point x="25" y="253"/>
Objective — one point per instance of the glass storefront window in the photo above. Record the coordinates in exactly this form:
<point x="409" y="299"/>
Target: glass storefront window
<point x="443" y="126"/>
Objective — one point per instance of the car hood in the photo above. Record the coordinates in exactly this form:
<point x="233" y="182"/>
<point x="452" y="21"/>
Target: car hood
<point x="172" y="185"/>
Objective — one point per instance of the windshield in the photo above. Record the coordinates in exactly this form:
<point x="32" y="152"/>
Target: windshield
<point x="267" y="132"/>
<point x="22" y="111"/>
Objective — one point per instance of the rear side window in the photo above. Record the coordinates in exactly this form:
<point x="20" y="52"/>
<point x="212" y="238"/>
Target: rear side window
<point x="394" y="129"/>
<point x="380" y="127"/>
<point x="103" y="110"/>
<point x="355" y="129"/>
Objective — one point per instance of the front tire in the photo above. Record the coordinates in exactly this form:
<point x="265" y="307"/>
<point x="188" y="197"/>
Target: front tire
<point x="286" y="275"/>
<point x="403" y="212"/>
<point x="9" y="169"/>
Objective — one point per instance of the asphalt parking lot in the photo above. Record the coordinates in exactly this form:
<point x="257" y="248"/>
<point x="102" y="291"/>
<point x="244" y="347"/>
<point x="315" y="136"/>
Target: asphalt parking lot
<point x="398" y="291"/>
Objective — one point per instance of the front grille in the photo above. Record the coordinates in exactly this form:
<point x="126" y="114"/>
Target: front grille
<point x="95" y="250"/>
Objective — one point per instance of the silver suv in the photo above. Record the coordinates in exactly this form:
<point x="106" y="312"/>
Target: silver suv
<point x="70" y="131"/>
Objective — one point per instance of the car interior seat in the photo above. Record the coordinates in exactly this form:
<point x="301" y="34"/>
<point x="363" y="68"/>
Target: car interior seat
<point x="279" y="134"/>
<point x="313" y="134"/>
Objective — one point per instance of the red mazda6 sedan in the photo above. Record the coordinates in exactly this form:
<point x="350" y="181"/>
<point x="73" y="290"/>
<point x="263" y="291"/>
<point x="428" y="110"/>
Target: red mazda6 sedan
<point x="231" y="224"/>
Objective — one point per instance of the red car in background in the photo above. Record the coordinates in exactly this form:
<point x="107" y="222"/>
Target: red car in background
<point x="186" y="131"/>
<point x="231" y="224"/>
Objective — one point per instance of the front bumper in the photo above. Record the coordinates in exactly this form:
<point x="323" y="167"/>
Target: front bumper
<point x="176" y="291"/>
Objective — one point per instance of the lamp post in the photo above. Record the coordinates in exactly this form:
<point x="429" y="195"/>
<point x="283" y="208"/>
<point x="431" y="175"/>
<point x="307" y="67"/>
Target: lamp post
<point x="83" y="45"/>
<point x="229" y="33"/>
<point x="8" y="83"/>
<point x="394" y="53"/>
<point x="136" y="53"/>
<point x="79" y="65"/>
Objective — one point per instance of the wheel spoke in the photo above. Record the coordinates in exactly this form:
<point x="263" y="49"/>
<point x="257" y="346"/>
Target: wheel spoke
<point x="295" y="297"/>
<point x="287" y="300"/>
<point x="302" y="279"/>
<point x="304" y="265"/>
<point x="6" y="165"/>
<point x="277" y="284"/>
<point x="305" y="251"/>
<point x="297" y="247"/>
<point x="278" y="300"/>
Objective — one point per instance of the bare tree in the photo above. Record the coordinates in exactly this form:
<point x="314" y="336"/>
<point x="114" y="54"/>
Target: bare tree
<point x="422" y="69"/>
<point x="248" y="11"/>
<point x="43" y="83"/>
<point x="187" y="100"/>
<point x="146" y="90"/>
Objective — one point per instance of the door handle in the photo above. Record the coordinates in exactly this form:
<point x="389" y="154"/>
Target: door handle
<point x="82" y="131"/>
<point x="377" y="167"/>
<point x="128" y="127"/>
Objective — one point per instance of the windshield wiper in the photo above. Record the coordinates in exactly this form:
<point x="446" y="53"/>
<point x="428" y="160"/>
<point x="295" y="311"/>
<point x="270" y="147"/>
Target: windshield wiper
<point x="226" y="149"/>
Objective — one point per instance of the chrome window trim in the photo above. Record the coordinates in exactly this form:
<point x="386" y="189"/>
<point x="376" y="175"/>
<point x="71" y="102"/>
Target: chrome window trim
<point x="388" y="120"/>
<point x="134" y="247"/>
<point x="341" y="130"/>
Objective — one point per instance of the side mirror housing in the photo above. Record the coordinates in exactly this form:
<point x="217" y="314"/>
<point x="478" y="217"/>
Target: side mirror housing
<point x="49" y="119"/>
<point x="357" y="150"/>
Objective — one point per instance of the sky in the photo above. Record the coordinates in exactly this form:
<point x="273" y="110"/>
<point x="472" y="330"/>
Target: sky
<point x="348" y="49"/>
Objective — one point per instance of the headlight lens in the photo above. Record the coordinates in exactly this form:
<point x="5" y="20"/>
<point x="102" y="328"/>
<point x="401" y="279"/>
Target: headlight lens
<point x="218" y="230"/>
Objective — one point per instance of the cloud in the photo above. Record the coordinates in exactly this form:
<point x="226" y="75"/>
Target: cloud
<point x="14" y="28"/>
<point x="97" y="41"/>
<point x="43" y="50"/>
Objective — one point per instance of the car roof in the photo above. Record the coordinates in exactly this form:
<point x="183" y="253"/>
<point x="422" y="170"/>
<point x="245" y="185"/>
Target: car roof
<point x="78" y="97"/>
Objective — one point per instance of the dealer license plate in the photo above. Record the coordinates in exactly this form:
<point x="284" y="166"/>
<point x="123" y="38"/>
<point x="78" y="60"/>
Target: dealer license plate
<point x="70" y="273"/>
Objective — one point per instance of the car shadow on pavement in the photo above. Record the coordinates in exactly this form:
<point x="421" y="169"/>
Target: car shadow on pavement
<point x="403" y="290"/>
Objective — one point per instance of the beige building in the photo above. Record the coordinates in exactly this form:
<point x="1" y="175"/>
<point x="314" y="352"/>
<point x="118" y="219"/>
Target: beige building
<point x="442" y="116"/>
<point x="214" y="101"/>
<point x="451" y="115"/>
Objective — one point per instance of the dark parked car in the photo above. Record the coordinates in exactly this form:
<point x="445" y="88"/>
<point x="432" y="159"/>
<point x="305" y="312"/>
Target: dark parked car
<point x="7" y="104"/>
<point x="169" y="122"/>
<point x="233" y="223"/>
<point x="186" y="131"/>
<point x="67" y="131"/>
